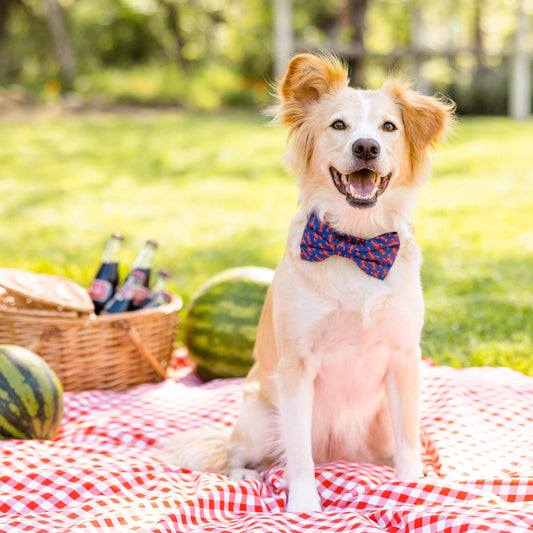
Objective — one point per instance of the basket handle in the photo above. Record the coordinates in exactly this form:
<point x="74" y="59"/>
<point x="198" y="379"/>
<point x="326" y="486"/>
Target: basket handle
<point x="134" y="336"/>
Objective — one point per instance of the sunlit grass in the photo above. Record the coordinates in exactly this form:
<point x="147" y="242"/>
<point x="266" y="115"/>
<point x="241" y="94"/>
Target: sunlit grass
<point x="476" y="228"/>
<point x="205" y="187"/>
<point x="211" y="190"/>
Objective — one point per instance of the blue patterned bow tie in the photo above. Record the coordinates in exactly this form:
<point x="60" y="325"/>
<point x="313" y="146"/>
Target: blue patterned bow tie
<point x="374" y="256"/>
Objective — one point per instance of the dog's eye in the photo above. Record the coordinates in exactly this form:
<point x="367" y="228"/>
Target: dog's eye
<point x="389" y="126"/>
<point x="338" y="125"/>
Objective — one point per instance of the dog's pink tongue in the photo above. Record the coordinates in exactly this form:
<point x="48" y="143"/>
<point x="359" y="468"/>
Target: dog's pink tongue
<point x="362" y="181"/>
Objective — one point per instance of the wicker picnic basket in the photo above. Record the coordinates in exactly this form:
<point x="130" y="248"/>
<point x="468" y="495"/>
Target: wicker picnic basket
<point x="54" y="317"/>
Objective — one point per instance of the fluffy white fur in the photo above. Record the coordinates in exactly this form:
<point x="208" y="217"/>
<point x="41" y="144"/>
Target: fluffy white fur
<point x="337" y="351"/>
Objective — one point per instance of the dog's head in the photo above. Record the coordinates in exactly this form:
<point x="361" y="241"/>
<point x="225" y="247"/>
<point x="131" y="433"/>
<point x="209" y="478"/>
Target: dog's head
<point x="358" y="142"/>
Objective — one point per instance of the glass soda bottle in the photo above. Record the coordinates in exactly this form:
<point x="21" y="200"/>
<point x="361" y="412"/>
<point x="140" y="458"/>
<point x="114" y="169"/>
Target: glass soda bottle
<point x="123" y="299"/>
<point x="143" y="263"/>
<point x="158" y="299"/>
<point x="105" y="282"/>
<point x="159" y="294"/>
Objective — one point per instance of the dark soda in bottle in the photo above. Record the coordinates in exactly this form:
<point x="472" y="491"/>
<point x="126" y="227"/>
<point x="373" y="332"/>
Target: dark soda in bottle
<point x="123" y="299"/>
<point x="143" y="263"/>
<point x="158" y="299"/>
<point x="159" y="294"/>
<point x="105" y="282"/>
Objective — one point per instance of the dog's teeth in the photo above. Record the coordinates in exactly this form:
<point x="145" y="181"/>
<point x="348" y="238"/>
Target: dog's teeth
<point x="353" y="193"/>
<point x="344" y="179"/>
<point x="377" y="181"/>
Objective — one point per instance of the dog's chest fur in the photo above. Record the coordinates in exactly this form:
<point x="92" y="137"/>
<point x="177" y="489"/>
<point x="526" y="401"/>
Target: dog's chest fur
<point x="349" y="325"/>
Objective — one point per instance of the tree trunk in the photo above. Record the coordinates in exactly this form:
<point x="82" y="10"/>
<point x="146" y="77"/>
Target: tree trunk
<point x="4" y="13"/>
<point x="173" y="21"/>
<point x="418" y="44"/>
<point x="479" y="49"/>
<point x="6" y="7"/>
<point x="61" y="38"/>
<point x="356" y="14"/>
<point x="520" y="79"/>
<point x="283" y="37"/>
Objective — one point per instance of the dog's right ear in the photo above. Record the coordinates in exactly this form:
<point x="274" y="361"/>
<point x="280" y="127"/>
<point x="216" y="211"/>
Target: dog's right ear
<point x="308" y="78"/>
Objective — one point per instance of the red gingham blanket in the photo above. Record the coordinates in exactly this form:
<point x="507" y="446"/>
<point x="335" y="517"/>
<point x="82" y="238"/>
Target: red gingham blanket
<point x="104" y="471"/>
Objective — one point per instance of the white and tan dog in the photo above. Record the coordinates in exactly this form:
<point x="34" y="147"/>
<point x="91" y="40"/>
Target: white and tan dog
<point x="337" y="352"/>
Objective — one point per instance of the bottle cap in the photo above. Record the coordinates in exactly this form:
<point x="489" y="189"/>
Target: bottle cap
<point x="117" y="235"/>
<point x="152" y="242"/>
<point x="164" y="272"/>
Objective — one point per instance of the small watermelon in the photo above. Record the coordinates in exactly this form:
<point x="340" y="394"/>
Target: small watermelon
<point x="31" y="396"/>
<point x="221" y="322"/>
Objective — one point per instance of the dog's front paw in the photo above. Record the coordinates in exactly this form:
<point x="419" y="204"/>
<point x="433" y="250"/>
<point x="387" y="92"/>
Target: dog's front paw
<point x="409" y="470"/>
<point x="303" y="498"/>
<point x="409" y="464"/>
<point x="244" y="473"/>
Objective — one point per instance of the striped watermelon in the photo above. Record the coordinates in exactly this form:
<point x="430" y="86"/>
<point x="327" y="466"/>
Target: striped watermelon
<point x="222" y="319"/>
<point x="31" y="396"/>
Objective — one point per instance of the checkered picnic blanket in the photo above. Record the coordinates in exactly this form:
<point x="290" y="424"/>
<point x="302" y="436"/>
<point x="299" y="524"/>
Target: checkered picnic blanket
<point x="104" y="472"/>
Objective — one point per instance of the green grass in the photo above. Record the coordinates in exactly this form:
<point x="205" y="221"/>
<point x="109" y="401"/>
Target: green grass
<point x="211" y="190"/>
<point x="476" y="228"/>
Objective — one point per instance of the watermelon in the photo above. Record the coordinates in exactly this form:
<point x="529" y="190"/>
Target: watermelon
<point x="221" y="321"/>
<point x="31" y="396"/>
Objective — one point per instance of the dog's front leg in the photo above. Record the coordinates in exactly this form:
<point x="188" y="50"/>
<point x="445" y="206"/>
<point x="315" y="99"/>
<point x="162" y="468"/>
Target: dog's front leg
<point x="403" y="391"/>
<point x="296" y="392"/>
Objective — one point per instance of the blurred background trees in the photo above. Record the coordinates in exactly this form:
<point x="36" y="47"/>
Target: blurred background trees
<point x="211" y="53"/>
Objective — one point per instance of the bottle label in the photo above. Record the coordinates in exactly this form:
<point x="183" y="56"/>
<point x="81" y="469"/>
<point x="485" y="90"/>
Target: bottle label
<point x="100" y="290"/>
<point x="141" y="295"/>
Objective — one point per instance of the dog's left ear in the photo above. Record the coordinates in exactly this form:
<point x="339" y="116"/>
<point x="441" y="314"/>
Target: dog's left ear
<point x="426" y="119"/>
<point x="308" y="78"/>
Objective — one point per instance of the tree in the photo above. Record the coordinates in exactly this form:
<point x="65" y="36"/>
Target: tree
<point x="355" y="14"/>
<point x="520" y="81"/>
<point x="283" y="38"/>
<point x="61" y="39"/>
<point x="173" y="20"/>
<point x="6" y="8"/>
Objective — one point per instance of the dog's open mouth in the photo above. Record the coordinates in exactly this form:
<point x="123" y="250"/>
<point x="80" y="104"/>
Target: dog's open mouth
<point x="362" y="187"/>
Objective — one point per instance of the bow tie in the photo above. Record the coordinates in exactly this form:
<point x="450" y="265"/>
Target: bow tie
<point x="374" y="256"/>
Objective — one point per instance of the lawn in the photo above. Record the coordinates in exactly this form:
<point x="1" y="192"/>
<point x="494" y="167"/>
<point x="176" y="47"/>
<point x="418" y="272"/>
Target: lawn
<point x="210" y="189"/>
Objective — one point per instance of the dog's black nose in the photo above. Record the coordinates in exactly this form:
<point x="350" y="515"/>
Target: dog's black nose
<point x="366" y="149"/>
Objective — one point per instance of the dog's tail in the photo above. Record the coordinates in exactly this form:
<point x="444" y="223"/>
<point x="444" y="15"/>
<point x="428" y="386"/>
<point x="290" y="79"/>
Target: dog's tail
<point x="198" y="449"/>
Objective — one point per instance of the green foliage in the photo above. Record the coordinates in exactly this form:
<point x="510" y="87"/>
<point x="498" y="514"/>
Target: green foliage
<point x="112" y="33"/>
<point x="190" y="54"/>
<point x="210" y="189"/>
<point x="484" y="92"/>
<point x="168" y="85"/>
<point x="181" y="52"/>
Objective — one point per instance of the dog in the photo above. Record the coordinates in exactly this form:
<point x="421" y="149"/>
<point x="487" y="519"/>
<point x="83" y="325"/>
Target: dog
<point x="336" y="373"/>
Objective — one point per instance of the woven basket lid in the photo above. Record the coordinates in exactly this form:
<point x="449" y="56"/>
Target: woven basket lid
<point x="46" y="289"/>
